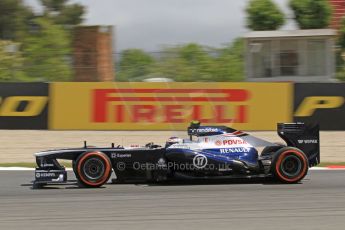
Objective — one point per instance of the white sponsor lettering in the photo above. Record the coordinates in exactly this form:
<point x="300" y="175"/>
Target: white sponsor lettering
<point x="121" y="155"/>
<point x="205" y="130"/>
<point x="46" y="165"/>
<point x="307" y="141"/>
<point x="179" y="146"/>
<point x="235" y="150"/>
<point x="38" y="175"/>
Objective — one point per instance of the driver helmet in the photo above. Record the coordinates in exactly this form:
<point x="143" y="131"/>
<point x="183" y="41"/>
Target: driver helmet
<point x="173" y="140"/>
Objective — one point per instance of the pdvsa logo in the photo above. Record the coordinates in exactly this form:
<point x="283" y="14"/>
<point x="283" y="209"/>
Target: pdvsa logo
<point x="170" y="105"/>
<point x="218" y="142"/>
<point x="231" y="142"/>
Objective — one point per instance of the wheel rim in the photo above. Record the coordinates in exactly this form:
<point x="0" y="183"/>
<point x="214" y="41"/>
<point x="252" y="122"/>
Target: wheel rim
<point x="291" y="166"/>
<point x="94" y="169"/>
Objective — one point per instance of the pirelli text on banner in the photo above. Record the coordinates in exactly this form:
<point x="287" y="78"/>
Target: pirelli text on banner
<point x="168" y="106"/>
<point x="172" y="113"/>
<point x="23" y="105"/>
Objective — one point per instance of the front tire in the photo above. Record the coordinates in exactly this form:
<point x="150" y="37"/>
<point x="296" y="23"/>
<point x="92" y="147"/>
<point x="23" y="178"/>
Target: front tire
<point x="93" y="169"/>
<point x="289" y="165"/>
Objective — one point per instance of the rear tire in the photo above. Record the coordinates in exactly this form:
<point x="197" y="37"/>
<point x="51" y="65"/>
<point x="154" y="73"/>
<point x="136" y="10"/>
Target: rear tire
<point x="93" y="169"/>
<point x="289" y="165"/>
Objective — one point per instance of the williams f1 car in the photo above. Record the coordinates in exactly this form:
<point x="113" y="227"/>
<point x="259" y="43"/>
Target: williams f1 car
<point x="210" y="152"/>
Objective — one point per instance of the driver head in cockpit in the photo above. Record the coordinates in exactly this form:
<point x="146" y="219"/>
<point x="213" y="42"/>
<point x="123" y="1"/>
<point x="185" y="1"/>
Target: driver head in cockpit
<point x="173" y="140"/>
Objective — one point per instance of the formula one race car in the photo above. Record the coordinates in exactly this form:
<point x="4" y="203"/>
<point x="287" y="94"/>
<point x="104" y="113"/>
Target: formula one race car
<point x="211" y="152"/>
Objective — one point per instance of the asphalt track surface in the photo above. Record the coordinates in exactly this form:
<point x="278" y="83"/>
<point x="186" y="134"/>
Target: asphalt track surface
<point x="316" y="203"/>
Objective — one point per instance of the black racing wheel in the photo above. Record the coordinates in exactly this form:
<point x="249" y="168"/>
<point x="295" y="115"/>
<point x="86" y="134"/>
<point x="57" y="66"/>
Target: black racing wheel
<point x="93" y="169"/>
<point x="289" y="165"/>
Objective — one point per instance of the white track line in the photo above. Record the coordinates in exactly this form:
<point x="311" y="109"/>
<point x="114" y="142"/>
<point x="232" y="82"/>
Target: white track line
<point x="325" y="168"/>
<point x="16" y="169"/>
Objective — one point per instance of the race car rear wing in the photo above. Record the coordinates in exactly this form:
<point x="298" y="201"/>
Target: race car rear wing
<point x="304" y="137"/>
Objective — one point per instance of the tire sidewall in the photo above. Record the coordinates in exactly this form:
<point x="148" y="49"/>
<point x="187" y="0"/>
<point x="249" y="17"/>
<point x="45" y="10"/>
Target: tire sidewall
<point x="278" y="159"/>
<point x="82" y="179"/>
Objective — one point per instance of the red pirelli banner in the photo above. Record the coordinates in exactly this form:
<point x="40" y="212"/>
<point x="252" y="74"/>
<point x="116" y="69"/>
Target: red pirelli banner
<point x="168" y="106"/>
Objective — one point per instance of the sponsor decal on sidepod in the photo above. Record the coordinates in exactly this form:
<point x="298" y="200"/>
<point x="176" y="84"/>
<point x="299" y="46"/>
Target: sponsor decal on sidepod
<point x="235" y="150"/>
